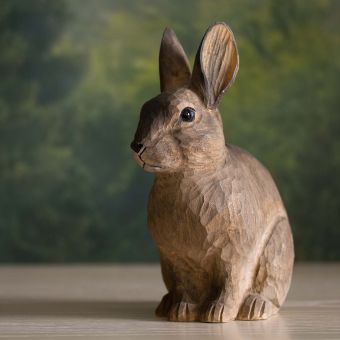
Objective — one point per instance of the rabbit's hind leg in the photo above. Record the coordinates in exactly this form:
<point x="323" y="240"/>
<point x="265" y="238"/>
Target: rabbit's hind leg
<point x="164" y="306"/>
<point x="272" y="277"/>
<point x="177" y="309"/>
<point x="256" y="307"/>
<point x="176" y="305"/>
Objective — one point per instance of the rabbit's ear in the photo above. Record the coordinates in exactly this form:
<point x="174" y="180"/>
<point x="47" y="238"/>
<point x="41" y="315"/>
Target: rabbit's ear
<point x="216" y="64"/>
<point x="174" y="68"/>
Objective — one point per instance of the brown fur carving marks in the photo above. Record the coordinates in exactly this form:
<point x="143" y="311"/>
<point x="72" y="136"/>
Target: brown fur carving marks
<point x="214" y="211"/>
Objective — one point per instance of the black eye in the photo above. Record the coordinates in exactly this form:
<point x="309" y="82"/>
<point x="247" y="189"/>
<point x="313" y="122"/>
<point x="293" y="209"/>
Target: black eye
<point x="188" y="114"/>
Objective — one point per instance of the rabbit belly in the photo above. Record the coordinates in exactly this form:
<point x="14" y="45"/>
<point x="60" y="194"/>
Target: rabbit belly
<point x="199" y="240"/>
<point x="187" y="250"/>
<point x="211" y="231"/>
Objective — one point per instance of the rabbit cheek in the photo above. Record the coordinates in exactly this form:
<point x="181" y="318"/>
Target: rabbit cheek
<point x="164" y="156"/>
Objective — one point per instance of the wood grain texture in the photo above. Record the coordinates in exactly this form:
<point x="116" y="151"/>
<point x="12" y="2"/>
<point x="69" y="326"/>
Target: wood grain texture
<point x="216" y="64"/>
<point x="214" y="211"/>
<point x="117" y="302"/>
<point x="174" y="67"/>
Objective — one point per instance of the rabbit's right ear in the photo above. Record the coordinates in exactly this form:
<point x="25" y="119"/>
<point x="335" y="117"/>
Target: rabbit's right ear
<point x="174" y="67"/>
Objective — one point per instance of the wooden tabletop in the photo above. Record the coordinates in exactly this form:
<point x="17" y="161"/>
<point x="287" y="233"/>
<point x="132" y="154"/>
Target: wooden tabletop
<point x="100" y="301"/>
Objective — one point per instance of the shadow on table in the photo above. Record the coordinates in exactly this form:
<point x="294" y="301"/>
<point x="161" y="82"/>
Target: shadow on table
<point x="142" y="310"/>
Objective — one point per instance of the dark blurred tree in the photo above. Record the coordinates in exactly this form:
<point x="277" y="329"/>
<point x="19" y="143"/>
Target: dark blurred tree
<point x="43" y="196"/>
<point x="74" y="74"/>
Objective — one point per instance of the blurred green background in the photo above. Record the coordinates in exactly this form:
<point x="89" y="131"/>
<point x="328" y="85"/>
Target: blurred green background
<point x="73" y="75"/>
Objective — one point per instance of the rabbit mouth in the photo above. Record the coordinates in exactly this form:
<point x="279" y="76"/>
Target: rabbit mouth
<point x="146" y="166"/>
<point x="151" y="168"/>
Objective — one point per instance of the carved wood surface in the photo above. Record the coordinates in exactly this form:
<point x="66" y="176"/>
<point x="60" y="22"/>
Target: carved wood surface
<point x="214" y="211"/>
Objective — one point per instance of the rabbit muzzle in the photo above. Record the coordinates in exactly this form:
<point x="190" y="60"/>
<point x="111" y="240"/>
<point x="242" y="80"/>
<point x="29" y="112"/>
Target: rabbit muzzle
<point x="138" y="151"/>
<point x="162" y="155"/>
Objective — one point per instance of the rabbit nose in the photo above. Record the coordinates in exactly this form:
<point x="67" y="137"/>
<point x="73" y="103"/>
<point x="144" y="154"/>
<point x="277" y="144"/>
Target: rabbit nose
<point x="136" y="147"/>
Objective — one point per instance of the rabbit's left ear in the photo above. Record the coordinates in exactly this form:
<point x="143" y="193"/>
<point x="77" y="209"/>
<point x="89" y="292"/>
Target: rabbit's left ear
<point x="216" y="64"/>
<point x="174" y="67"/>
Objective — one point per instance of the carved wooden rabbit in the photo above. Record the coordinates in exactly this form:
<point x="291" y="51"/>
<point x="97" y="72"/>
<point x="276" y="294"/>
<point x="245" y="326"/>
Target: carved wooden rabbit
<point x="214" y="211"/>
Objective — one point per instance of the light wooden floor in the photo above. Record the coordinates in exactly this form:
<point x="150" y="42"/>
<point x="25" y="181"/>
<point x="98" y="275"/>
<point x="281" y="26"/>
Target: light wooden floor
<point x="118" y="302"/>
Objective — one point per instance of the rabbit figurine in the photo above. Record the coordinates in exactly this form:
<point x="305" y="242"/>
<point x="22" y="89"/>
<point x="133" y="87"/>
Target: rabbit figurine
<point x="217" y="218"/>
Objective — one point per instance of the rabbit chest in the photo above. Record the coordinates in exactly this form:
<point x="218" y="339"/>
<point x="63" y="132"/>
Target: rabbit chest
<point x="190" y="218"/>
<point x="223" y="214"/>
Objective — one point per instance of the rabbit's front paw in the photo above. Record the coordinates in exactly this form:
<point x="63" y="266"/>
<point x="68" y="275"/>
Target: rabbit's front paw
<point x="183" y="311"/>
<point x="256" y="307"/>
<point x="216" y="312"/>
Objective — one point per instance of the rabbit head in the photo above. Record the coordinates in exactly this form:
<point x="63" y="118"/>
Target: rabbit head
<point x="181" y="129"/>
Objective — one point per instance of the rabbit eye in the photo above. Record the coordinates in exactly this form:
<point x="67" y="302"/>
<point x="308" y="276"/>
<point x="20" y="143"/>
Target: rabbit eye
<point x="188" y="114"/>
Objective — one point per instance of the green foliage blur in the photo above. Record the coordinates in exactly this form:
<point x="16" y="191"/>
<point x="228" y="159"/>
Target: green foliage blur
<point x="73" y="75"/>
